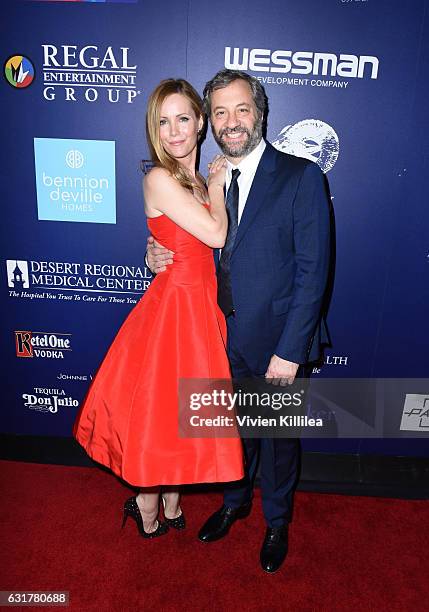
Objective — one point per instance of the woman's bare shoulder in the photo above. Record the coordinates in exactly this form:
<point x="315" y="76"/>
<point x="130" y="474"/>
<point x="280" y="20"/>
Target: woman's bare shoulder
<point x="156" y="176"/>
<point x="161" y="190"/>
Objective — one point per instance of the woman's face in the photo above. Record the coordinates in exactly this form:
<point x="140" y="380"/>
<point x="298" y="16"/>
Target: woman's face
<point x="178" y="126"/>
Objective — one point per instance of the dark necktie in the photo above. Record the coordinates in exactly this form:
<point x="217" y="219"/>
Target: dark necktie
<point x="224" y="291"/>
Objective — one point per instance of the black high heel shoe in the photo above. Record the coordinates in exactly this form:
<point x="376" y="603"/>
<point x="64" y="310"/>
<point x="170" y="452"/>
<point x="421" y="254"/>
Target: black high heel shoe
<point x="131" y="509"/>
<point x="178" y="522"/>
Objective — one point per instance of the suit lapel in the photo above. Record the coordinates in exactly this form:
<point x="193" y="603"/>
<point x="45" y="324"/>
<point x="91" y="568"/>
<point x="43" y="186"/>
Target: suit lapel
<point x="264" y="176"/>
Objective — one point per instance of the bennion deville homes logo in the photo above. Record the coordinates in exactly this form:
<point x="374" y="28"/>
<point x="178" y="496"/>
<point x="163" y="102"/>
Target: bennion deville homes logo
<point x="75" y="180"/>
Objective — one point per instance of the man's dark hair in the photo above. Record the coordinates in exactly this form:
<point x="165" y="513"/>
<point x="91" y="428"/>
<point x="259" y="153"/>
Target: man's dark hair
<point x="225" y="77"/>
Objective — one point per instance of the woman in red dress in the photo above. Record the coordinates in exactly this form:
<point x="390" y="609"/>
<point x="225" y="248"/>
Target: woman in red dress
<point x="129" y="419"/>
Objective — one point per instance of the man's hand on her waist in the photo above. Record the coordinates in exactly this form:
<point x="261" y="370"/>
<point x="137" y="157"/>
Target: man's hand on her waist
<point x="157" y="256"/>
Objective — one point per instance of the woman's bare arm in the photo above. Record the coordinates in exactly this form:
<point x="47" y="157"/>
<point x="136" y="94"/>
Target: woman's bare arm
<point x="165" y="195"/>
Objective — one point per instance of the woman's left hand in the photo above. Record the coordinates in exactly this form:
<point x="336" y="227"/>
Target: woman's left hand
<point x="217" y="171"/>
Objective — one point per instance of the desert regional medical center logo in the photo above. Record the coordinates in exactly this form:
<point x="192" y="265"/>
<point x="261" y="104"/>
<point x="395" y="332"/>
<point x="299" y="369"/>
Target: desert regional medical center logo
<point x="68" y="281"/>
<point x="73" y="73"/>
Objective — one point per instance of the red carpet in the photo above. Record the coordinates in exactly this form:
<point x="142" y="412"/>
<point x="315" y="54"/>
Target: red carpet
<point x="61" y="531"/>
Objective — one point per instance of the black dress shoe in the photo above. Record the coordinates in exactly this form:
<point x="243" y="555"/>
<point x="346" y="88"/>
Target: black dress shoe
<point x="218" y="525"/>
<point x="274" y="549"/>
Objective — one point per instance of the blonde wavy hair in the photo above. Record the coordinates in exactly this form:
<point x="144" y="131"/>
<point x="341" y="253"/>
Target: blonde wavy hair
<point x="159" y="155"/>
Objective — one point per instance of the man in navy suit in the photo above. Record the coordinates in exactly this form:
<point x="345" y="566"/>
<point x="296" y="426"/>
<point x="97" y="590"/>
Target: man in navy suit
<point x="272" y="276"/>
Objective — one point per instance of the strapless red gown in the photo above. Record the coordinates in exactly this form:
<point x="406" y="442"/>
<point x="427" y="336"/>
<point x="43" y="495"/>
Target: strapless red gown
<point x="129" y="419"/>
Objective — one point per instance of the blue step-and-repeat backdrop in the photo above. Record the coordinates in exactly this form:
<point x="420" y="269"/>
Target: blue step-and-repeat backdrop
<point x="347" y="86"/>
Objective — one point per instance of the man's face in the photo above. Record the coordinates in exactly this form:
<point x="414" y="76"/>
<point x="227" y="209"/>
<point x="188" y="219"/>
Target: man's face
<point x="234" y="119"/>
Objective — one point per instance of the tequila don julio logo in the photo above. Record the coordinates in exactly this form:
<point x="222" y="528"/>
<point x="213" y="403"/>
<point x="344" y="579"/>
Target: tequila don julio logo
<point x="19" y="71"/>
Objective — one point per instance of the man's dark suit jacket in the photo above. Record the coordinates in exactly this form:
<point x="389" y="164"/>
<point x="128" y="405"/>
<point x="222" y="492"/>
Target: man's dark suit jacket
<point x="279" y="263"/>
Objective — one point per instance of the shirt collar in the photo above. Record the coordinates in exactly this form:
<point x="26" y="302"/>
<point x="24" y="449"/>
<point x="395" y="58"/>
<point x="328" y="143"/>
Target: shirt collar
<point x="251" y="161"/>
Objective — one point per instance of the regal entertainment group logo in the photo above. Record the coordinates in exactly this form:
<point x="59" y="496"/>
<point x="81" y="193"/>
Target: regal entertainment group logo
<point x="89" y="73"/>
<point x="74" y="73"/>
<point x="19" y="71"/>
<point x="46" y="345"/>
<point x="75" y="180"/>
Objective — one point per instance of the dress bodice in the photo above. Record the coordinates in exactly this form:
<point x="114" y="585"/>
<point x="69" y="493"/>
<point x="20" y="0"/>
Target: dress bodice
<point x="191" y="256"/>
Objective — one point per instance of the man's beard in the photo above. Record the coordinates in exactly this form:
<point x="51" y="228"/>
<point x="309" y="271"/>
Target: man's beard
<point x="253" y="139"/>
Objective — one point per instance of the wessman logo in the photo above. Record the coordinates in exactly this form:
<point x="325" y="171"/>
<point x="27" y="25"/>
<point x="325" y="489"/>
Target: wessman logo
<point x="302" y="62"/>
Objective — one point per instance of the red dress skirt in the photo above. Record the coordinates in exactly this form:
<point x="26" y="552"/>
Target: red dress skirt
<point x="129" y="419"/>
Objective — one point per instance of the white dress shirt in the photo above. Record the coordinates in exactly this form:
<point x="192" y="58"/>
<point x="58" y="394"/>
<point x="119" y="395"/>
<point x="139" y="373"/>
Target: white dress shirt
<point x="247" y="168"/>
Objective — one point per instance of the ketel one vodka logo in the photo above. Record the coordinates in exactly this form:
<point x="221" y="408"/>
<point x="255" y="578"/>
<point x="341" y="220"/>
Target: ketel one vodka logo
<point x="89" y="73"/>
<point x="42" y="344"/>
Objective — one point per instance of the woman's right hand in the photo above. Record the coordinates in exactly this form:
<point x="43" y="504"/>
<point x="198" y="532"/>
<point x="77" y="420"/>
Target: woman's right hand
<point x="217" y="172"/>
